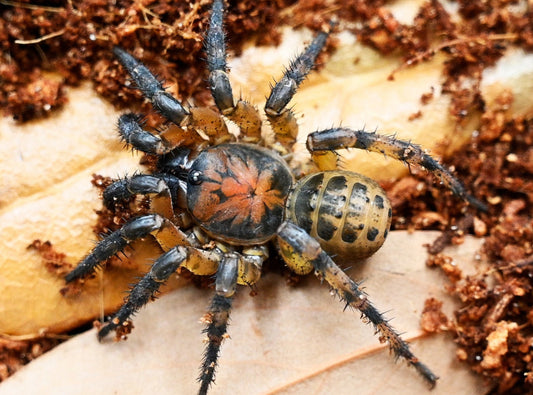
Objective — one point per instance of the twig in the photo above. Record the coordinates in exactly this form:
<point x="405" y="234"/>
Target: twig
<point x="450" y="43"/>
<point x="40" y="39"/>
<point x="31" y="6"/>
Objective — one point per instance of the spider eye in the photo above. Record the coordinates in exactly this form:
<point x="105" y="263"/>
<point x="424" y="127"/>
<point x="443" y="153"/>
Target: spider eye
<point x="195" y="177"/>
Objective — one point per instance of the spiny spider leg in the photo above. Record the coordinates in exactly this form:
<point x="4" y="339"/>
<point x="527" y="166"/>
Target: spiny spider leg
<point x="282" y="120"/>
<point x="140" y="184"/>
<point x="218" y="316"/>
<point x="338" y="138"/>
<point x="199" y="261"/>
<point x="163" y="189"/>
<point x="117" y="241"/>
<point x="146" y="288"/>
<point x="131" y="131"/>
<point x="301" y="252"/>
<point x="228" y="268"/>
<point x="243" y="114"/>
<point x="209" y="121"/>
<point x="216" y="59"/>
<point x="282" y="93"/>
<point x="151" y="87"/>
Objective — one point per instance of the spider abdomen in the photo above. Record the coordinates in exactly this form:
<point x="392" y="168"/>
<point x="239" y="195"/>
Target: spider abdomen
<point x="237" y="192"/>
<point x="348" y="213"/>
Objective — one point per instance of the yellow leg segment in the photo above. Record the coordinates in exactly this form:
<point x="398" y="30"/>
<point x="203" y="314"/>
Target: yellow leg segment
<point x="247" y="118"/>
<point x="285" y="128"/>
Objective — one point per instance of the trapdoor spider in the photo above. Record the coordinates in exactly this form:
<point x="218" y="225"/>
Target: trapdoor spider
<point x="216" y="203"/>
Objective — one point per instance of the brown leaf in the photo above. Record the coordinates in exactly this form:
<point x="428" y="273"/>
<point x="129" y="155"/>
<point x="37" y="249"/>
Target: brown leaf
<point x="287" y="340"/>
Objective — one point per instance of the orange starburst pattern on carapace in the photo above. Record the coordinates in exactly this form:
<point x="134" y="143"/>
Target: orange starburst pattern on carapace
<point x="238" y="188"/>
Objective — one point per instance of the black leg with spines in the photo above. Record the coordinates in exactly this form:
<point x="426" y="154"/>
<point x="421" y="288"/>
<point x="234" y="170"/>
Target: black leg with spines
<point x="215" y="47"/>
<point x="151" y="87"/>
<point x="218" y="317"/>
<point x="405" y="151"/>
<point x="131" y="131"/>
<point x="294" y="241"/>
<point x="116" y="242"/>
<point x="146" y="288"/>
<point x="283" y="91"/>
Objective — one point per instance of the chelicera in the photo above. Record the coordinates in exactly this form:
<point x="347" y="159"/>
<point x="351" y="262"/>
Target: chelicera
<point x="217" y="202"/>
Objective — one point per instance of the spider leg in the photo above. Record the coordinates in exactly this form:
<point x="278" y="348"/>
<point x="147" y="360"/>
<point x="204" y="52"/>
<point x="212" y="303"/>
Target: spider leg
<point x="202" y="118"/>
<point x="243" y="114"/>
<point x="211" y="123"/>
<point x="146" y="288"/>
<point x="133" y="134"/>
<point x="282" y="120"/>
<point x="216" y="59"/>
<point x="304" y="254"/>
<point x="166" y="233"/>
<point x="201" y="262"/>
<point x="151" y="87"/>
<point x="163" y="188"/>
<point x="326" y="141"/>
<point x="251" y="264"/>
<point x="218" y="316"/>
<point x="115" y="242"/>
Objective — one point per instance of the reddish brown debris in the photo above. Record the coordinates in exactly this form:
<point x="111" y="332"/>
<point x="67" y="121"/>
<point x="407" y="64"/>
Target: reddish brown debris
<point x="427" y="97"/>
<point x="53" y="260"/>
<point x="415" y="115"/>
<point x="16" y="353"/>
<point x="76" y="39"/>
<point x="433" y="319"/>
<point x="452" y="235"/>
<point x="56" y="264"/>
<point x="447" y="265"/>
<point x="494" y="326"/>
<point x="122" y="331"/>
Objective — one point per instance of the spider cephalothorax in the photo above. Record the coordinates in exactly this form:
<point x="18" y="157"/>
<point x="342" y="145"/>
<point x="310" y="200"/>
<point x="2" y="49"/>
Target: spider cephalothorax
<point x="217" y="203"/>
<point x="237" y="192"/>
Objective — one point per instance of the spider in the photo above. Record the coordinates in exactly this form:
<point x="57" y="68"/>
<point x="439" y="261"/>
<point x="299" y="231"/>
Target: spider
<point x="217" y="201"/>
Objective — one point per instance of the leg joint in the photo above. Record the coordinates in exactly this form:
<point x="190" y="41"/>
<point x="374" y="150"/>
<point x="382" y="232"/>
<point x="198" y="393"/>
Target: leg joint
<point x="168" y="263"/>
<point x="142" y="226"/>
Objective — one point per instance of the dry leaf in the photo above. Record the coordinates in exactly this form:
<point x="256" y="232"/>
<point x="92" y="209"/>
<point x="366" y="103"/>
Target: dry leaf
<point x="285" y="340"/>
<point x="353" y="90"/>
